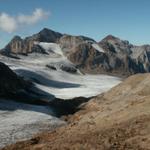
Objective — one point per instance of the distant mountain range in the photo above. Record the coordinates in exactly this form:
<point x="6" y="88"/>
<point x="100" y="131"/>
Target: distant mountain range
<point x="111" y="55"/>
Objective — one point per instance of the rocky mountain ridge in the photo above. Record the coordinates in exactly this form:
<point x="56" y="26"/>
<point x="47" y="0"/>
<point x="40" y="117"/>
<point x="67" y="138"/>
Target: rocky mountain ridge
<point x="111" y="55"/>
<point x="24" y="46"/>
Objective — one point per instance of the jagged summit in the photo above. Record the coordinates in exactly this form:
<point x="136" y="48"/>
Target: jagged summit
<point x="110" y="37"/>
<point x="24" y="46"/>
<point x="16" y="37"/>
<point x="47" y="30"/>
<point x="45" y="35"/>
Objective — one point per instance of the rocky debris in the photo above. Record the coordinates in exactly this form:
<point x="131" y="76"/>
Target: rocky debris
<point x="50" y="66"/>
<point x="70" y="69"/>
<point x="67" y="67"/>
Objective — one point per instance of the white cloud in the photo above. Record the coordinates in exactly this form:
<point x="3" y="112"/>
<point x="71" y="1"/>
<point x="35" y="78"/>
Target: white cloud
<point x="10" y="23"/>
<point x="37" y="15"/>
<point x="7" y="23"/>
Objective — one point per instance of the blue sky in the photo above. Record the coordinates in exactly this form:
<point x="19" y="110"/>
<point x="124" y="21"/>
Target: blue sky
<point x="127" y="19"/>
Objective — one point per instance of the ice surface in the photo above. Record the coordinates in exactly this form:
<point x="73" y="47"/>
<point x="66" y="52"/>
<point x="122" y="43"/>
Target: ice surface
<point x="20" y="121"/>
<point x="51" y="46"/>
<point x="59" y="83"/>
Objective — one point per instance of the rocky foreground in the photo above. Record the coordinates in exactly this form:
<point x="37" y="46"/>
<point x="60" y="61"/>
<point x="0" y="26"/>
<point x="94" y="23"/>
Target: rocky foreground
<point x="118" y="119"/>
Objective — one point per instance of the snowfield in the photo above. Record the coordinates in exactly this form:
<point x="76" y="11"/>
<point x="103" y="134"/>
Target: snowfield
<point x="57" y="82"/>
<point x="98" y="48"/>
<point x="51" y="47"/>
<point x="20" y="121"/>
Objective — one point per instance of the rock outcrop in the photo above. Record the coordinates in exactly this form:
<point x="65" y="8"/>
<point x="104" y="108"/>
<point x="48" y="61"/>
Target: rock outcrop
<point x="67" y="67"/>
<point x="111" y="55"/>
<point x="24" y="46"/>
<point x="10" y="82"/>
<point x="88" y="59"/>
<point x="125" y="57"/>
<point x="69" y="42"/>
<point x="81" y="52"/>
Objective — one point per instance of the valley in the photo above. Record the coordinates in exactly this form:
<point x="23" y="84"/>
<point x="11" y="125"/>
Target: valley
<point x="20" y="121"/>
<point x="68" y="84"/>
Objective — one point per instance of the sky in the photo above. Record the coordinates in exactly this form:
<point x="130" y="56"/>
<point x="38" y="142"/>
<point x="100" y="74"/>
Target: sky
<point x="126" y="19"/>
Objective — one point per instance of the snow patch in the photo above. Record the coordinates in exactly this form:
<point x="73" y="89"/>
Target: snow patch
<point x="98" y="48"/>
<point x="86" y="86"/>
<point x="21" y="121"/>
<point x="51" y="46"/>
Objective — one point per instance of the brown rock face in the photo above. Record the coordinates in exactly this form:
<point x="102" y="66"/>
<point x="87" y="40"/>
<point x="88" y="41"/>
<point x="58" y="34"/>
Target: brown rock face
<point x="117" y="56"/>
<point x="24" y="46"/>
<point x="80" y="51"/>
<point x="88" y="59"/>
<point x="69" y="42"/>
<point x="134" y="59"/>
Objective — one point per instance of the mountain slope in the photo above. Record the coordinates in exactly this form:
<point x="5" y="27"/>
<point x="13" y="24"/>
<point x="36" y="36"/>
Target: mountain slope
<point x="10" y="83"/>
<point x="111" y="55"/>
<point x="118" y="119"/>
<point x="125" y="57"/>
<point x="24" y="46"/>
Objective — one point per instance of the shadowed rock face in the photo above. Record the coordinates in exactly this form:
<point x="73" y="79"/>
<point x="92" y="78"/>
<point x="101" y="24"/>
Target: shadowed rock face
<point x="10" y="83"/>
<point x="119" y="56"/>
<point x="17" y="88"/>
<point x="126" y="57"/>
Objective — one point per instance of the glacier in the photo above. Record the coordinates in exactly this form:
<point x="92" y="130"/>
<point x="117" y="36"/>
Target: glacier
<point x="21" y="121"/>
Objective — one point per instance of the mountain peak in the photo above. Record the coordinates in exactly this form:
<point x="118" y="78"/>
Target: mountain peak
<point x="16" y="38"/>
<point x="110" y="37"/>
<point x="46" y="30"/>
